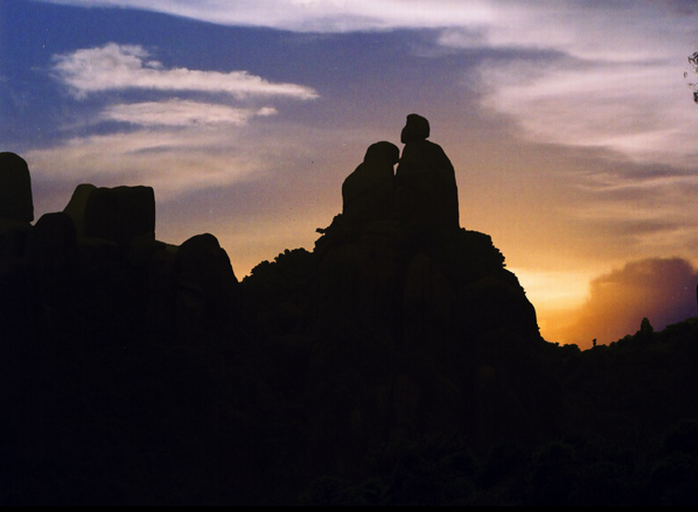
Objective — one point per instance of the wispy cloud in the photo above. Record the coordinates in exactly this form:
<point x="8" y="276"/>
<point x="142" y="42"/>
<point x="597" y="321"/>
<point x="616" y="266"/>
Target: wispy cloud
<point x="640" y="110"/>
<point x="178" y="112"/>
<point x="119" y="67"/>
<point x="173" y="143"/>
<point x="537" y="23"/>
<point x="316" y="15"/>
<point x="173" y="161"/>
<point x="616" y="81"/>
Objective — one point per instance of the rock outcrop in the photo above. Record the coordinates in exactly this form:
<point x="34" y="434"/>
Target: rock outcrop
<point x="425" y="182"/>
<point x="16" y="205"/>
<point x="15" y="189"/>
<point x="98" y="265"/>
<point x="120" y="214"/>
<point x="367" y="193"/>
<point x="423" y="322"/>
<point x="207" y="289"/>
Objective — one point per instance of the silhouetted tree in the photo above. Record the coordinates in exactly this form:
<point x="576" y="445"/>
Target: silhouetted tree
<point x="693" y="61"/>
<point x="646" y="329"/>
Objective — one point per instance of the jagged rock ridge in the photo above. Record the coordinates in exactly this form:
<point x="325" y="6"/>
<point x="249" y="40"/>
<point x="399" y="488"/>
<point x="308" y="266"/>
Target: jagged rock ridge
<point x="399" y="324"/>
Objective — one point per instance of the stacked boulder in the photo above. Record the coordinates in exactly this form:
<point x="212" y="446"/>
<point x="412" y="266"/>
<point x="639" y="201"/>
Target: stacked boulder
<point x="119" y="214"/>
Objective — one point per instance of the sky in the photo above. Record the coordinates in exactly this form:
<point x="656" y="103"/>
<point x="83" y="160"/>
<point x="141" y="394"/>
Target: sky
<point x="570" y="123"/>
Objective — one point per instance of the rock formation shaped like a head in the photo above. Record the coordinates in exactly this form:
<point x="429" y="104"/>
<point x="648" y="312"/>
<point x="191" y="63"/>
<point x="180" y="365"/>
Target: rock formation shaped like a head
<point x="367" y="193"/>
<point x="382" y="153"/>
<point x="416" y="129"/>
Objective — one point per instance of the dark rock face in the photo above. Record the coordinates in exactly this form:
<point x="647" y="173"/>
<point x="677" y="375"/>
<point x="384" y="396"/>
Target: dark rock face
<point x="119" y="214"/>
<point x="429" y="311"/>
<point x="52" y="238"/>
<point x="52" y="251"/>
<point x="97" y="264"/>
<point x="207" y="290"/>
<point x="416" y="129"/>
<point x="425" y="182"/>
<point x="367" y="193"/>
<point x="75" y="208"/>
<point x="15" y="189"/>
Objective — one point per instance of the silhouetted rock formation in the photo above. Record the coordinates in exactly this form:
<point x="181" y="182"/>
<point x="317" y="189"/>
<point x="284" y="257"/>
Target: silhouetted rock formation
<point x="398" y="363"/>
<point x="16" y="206"/>
<point x="425" y="182"/>
<point x="99" y="260"/>
<point x="15" y="189"/>
<point x="52" y="240"/>
<point x="421" y="319"/>
<point x="367" y="193"/>
<point x="75" y="209"/>
<point x="16" y="213"/>
<point x="431" y="312"/>
<point x="120" y="214"/>
<point x="116" y="346"/>
<point x="51" y="250"/>
<point x="207" y="290"/>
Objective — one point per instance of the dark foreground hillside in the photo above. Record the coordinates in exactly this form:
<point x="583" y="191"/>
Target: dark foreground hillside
<point x="397" y="363"/>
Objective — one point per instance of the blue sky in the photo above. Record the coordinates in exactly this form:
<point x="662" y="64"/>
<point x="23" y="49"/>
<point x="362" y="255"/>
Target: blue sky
<point x="570" y="123"/>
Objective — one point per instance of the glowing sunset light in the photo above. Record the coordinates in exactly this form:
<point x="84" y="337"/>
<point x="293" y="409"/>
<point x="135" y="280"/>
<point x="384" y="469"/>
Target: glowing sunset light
<point x="570" y="126"/>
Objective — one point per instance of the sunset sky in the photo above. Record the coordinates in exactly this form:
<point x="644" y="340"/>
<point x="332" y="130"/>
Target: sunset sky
<point x="571" y="126"/>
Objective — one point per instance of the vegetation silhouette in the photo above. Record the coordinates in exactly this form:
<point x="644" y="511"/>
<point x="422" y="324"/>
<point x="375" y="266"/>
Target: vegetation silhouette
<point x="397" y="363"/>
<point x="693" y="61"/>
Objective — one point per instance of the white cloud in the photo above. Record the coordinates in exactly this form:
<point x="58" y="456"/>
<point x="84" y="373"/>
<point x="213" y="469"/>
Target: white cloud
<point x="316" y="15"/>
<point x="621" y="86"/>
<point x="172" y="161"/>
<point x="179" y="145"/>
<point x="616" y="81"/>
<point x="118" y="67"/>
<point x="543" y="23"/>
<point x="642" y="111"/>
<point x="177" y="112"/>
<point x="615" y="31"/>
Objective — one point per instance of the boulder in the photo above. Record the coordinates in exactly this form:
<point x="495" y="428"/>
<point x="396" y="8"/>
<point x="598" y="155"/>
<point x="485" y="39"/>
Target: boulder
<point x="120" y="214"/>
<point x="367" y="193"/>
<point x="425" y="183"/>
<point x="77" y="205"/>
<point x="52" y="248"/>
<point x="15" y="189"/>
<point x="207" y="288"/>
<point x="52" y="238"/>
<point x="416" y="129"/>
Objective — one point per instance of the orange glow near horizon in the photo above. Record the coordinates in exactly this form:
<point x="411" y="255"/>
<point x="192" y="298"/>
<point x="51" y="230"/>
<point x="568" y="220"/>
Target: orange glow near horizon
<point x="571" y="131"/>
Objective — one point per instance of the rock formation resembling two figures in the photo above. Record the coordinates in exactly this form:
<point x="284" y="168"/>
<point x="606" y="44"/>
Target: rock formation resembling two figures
<point x="423" y="191"/>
